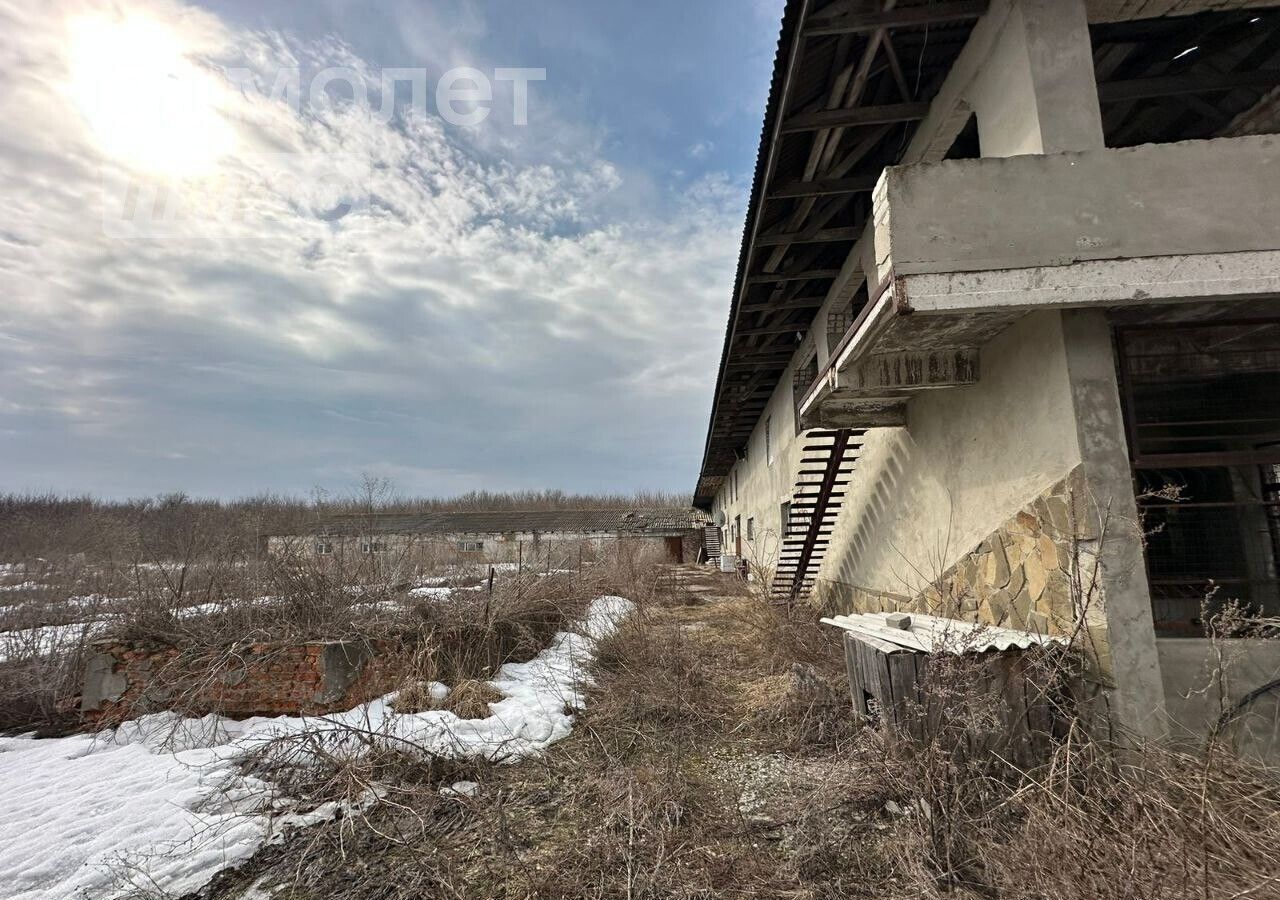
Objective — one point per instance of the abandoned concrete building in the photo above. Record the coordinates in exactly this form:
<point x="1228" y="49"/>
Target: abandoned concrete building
<point x="554" y="537"/>
<point x="1004" y="342"/>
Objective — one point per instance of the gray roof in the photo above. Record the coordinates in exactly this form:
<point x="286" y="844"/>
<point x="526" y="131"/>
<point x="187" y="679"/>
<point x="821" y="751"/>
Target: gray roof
<point x="931" y="634"/>
<point x="496" y="521"/>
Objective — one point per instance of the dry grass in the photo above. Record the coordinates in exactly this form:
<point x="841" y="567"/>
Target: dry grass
<point x="662" y="790"/>
<point x="716" y="757"/>
<point x="470" y="699"/>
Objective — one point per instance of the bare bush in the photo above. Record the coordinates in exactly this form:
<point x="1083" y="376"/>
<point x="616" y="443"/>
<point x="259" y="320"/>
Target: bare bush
<point x="652" y="684"/>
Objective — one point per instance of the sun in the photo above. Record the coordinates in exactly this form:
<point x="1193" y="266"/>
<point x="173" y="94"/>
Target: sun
<point x="146" y="102"/>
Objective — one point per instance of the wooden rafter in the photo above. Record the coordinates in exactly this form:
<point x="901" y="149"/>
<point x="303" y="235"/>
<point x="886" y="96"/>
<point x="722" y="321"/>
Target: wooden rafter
<point x="856" y="116"/>
<point x="908" y="17"/>
<point x="798" y="275"/>
<point x="824" y="187"/>
<point x="793" y="303"/>
<point x="1188" y="83"/>
<point x="820" y="236"/>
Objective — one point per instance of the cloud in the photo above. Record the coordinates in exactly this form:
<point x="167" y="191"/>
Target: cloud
<point x="334" y="292"/>
<point x="700" y="149"/>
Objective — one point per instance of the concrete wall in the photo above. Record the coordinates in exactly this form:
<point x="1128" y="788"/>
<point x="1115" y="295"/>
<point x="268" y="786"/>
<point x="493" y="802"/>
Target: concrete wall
<point x="762" y="487"/>
<point x="1195" y="695"/>
<point x="556" y="549"/>
<point x="924" y="496"/>
<point x="1155" y="200"/>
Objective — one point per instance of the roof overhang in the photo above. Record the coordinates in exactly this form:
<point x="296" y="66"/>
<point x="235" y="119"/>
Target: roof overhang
<point x="854" y="92"/>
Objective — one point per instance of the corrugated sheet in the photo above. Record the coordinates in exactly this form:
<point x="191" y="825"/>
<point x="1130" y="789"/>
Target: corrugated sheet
<point x="931" y="634"/>
<point x="577" y="521"/>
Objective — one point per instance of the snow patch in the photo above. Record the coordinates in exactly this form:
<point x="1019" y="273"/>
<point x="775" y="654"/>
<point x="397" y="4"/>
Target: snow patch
<point x="162" y="796"/>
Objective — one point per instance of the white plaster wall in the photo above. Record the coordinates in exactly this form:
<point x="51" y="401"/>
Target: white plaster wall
<point x="762" y="487"/>
<point x="923" y="496"/>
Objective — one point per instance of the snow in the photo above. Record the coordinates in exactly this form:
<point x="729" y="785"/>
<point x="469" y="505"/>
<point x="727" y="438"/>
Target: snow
<point x="431" y="593"/>
<point x="25" y="586"/>
<point x="43" y="640"/>
<point x="75" y="805"/>
<point x="162" y="797"/>
<point x="460" y="789"/>
<point x="438" y="691"/>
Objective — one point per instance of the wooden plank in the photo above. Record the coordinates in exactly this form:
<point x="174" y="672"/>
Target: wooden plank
<point x="795" y="303"/>
<point x="772" y="329"/>
<point x="908" y="17"/>
<point x="851" y="671"/>
<point x="855" y="116"/>
<point x="866" y="670"/>
<point x="804" y="275"/>
<point x="824" y="187"/>
<point x="821" y="236"/>
<point x="884" y="685"/>
<point x="1176" y="85"/>
<point x="904" y="691"/>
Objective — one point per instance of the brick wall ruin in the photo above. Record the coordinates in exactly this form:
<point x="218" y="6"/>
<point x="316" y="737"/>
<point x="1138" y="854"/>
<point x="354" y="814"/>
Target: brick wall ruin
<point x="126" y="680"/>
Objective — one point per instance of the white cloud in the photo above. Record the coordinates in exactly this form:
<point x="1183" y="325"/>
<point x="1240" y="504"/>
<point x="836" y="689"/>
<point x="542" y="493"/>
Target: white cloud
<point x="700" y="149"/>
<point x="478" y="298"/>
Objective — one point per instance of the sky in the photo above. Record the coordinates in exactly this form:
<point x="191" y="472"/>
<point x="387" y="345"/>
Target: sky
<point x="218" y="285"/>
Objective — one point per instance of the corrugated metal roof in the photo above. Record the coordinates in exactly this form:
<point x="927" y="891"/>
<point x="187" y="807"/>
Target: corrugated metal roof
<point x="498" y="521"/>
<point x="805" y="71"/>
<point x="932" y="634"/>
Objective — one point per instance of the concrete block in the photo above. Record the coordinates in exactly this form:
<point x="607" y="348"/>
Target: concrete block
<point x="899" y="620"/>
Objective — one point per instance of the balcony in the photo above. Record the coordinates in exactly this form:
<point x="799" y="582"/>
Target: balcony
<point x="959" y="250"/>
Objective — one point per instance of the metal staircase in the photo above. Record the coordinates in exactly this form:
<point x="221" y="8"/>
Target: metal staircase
<point x="828" y="460"/>
<point x="711" y="544"/>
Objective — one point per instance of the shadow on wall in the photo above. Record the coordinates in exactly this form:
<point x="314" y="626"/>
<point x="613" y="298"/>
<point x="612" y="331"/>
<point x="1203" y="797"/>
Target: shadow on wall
<point x="1037" y="571"/>
<point x="857" y="542"/>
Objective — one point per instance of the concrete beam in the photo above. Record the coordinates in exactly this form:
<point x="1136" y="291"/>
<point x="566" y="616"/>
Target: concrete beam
<point x="1027" y="73"/>
<point x="1057" y="209"/>
<point x="1094" y="283"/>
<point x="865" y="412"/>
<point x="909" y="372"/>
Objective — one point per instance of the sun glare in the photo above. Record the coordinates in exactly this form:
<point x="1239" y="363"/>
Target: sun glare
<point x="146" y="102"/>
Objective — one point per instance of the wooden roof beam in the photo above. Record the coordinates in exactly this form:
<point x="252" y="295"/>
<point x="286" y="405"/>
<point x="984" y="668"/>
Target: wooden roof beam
<point x="793" y="303"/>
<point x="908" y="17"/>
<point x="821" y="236"/>
<point x="801" y="275"/>
<point x="1193" y="83"/>
<point x="853" y="117"/>
<point x="773" y="329"/>
<point x="862" y="185"/>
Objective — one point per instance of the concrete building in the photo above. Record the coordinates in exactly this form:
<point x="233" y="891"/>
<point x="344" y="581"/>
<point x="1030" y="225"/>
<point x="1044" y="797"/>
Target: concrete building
<point x="1005" y="338"/>
<point x="551" y="537"/>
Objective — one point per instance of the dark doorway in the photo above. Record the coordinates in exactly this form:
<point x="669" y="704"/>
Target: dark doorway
<point x="675" y="548"/>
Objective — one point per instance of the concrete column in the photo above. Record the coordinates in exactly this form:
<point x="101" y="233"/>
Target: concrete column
<point x="1138" y="699"/>
<point x="1035" y="92"/>
<point x="1255" y="529"/>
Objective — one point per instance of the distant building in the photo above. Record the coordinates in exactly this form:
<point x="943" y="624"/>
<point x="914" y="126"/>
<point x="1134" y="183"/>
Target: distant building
<point x="1008" y="285"/>
<point x="552" y="537"/>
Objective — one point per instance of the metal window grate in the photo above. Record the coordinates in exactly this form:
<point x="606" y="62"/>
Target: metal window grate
<point x="1202" y="412"/>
